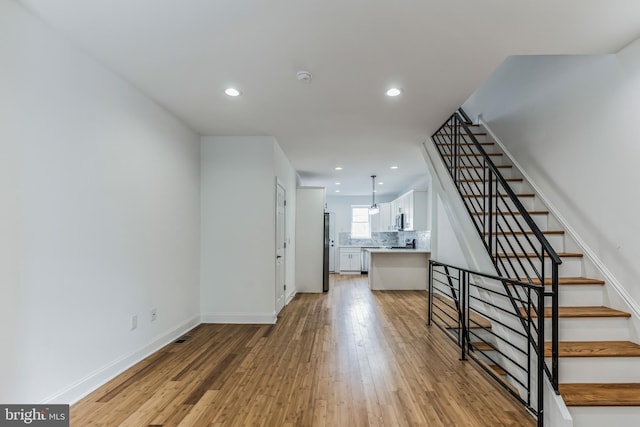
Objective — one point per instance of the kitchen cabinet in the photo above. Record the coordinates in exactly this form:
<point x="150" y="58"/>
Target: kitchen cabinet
<point x="381" y="222"/>
<point x="387" y="220"/>
<point x="414" y="205"/>
<point x="350" y="260"/>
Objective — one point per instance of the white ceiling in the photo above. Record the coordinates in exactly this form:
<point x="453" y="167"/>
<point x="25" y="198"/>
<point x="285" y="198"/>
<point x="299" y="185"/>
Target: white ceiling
<point x="184" y="53"/>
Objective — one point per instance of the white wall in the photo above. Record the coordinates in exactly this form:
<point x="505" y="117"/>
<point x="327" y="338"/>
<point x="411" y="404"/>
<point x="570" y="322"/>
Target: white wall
<point x="238" y="191"/>
<point x="570" y="121"/>
<point x="309" y="238"/>
<point x="100" y="218"/>
<point x="341" y="205"/>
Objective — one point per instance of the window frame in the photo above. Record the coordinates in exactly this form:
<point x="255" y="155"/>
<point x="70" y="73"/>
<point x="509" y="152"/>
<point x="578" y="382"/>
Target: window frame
<point x="368" y="222"/>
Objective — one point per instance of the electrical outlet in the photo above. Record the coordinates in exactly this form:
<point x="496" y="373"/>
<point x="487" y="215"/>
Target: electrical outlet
<point x="134" y="321"/>
<point x="154" y="314"/>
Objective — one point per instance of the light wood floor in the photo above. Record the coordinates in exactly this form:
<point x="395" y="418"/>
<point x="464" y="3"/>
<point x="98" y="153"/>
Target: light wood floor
<point x="351" y="357"/>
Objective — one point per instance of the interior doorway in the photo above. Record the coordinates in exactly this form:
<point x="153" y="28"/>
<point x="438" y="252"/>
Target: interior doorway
<point x="281" y="250"/>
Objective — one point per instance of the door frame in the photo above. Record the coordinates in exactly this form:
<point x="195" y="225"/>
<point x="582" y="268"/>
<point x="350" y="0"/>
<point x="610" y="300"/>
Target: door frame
<point x="280" y="184"/>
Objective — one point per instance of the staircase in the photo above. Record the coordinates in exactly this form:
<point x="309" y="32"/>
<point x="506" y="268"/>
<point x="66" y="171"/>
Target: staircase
<point x="597" y="372"/>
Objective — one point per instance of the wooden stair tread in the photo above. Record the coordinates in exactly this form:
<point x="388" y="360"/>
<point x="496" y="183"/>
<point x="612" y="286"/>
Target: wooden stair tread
<point x="467" y="143"/>
<point x="570" y="281"/>
<point x="481" y="167"/>
<point x="498" y="370"/>
<point x="590" y="394"/>
<point x="501" y="195"/>
<point x="494" y="180"/>
<point x="465" y="133"/>
<point x="594" y="349"/>
<point x="447" y="305"/>
<point x="560" y="254"/>
<point x="482" y="346"/>
<point x="515" y="213"/>
<point x="474" y="155"/>
<point x="569" y="312"/>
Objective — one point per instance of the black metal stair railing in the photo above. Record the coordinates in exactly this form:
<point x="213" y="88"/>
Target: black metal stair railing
<point x="458" y="301"/>
<point x="517" y="247"/>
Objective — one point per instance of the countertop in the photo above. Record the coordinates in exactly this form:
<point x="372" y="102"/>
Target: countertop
<point x="401" y="251"/>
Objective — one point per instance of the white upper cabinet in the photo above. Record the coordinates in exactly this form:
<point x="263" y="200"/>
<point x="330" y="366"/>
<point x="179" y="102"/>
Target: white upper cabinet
<point x="414" y="205"/>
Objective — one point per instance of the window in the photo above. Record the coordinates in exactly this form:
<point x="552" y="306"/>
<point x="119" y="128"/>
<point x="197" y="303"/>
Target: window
<point x="360" y="225"/>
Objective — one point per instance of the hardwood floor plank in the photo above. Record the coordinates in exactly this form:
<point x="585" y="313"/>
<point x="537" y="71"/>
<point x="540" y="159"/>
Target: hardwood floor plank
<point x="351" y="357"/>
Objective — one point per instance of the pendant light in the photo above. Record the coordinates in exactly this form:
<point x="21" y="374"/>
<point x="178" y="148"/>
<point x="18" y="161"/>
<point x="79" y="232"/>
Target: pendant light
<point x="374" y="208"/>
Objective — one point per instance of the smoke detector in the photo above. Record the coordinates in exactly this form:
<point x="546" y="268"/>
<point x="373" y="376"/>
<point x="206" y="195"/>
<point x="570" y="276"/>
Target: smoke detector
<point x="304" y="76"/>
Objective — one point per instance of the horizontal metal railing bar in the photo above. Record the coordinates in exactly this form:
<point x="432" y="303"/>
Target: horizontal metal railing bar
<point x="514" y="377"/>
<point x="504" y="325"/>
<point x="444" y="283"/>
<point x="490" y="276"/>
<point x="497" y="350"/>
<point x="490" y="331"/>
<point x="498" y="336"/>
<point x="532" y="225"/>
<point x="447" y="275"/>
<point x="493" y="291"/>
<point x="508" y="389"/>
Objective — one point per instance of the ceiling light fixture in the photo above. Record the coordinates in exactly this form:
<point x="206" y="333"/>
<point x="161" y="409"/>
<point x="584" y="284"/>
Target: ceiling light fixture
<point x="232" y="91"/>
<point x="394" y="167"/>
<point x="380" y="183"/>
<point x="374" y="208"/>
<point x="394" y="91"/>
<point x="338" y="168"/>
<point x="337" y="191"/>
<point x="337" y="183"/>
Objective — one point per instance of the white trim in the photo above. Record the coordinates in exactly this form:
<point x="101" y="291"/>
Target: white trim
<point x="607" y="275"/>
<point x="290" y="297"/>
<point x="239" y="318"/>
<point x="76" y="391"/>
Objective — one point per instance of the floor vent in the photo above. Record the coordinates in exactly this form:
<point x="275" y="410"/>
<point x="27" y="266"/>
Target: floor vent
<point x="181" y="339"/>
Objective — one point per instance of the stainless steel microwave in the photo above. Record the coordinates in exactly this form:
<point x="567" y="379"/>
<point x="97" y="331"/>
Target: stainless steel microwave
<point x="401" y="221"/>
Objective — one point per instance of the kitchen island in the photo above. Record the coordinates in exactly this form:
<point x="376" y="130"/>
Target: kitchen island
<point x="398" y="269"/>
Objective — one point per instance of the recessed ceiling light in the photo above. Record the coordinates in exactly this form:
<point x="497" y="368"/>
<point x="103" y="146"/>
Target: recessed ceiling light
<point x="337" y="183"/>
<point x="380" y="183"/>
<point x="394" y="167"/>
<point x="232" y="91"/>
<point x="337" y="191"/>
<point x="394" y="91"/>
<point x="338" y="168"/>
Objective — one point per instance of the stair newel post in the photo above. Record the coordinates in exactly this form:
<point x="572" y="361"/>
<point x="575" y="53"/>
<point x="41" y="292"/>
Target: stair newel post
<point x="540" y="345"/>
<point x="554" y="325"/>
<point x="456" y="161"/>
<point x="462" y="287"/>
<point x="489" y="218"/>
<point x="429" y="308"/>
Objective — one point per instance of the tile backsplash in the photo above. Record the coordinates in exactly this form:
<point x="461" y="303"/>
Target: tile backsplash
<point x="393" y="238"/>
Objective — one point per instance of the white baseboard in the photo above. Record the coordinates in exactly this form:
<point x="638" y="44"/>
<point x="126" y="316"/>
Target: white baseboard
<point x="239" y="318"/>
<point x="86" y="385"/>
<point x="607" y="275"/>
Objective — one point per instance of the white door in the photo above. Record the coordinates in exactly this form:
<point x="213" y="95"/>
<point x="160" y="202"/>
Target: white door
<point x="280" y="247"/>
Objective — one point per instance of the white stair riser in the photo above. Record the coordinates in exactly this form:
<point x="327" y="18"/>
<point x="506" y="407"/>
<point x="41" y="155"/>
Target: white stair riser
<point x="476" y="173"/>
<point x="578" y="295"/>
<point x="477" y="187"/>
<point x="570" y="267"/>
<point x="505" y="205"/>
<point x="610" y="416"/>
<point x="517" y="223"/>
<point x="590" y="329"/>
<point x="599" y="369"/>
<point x="556" y="241"/>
